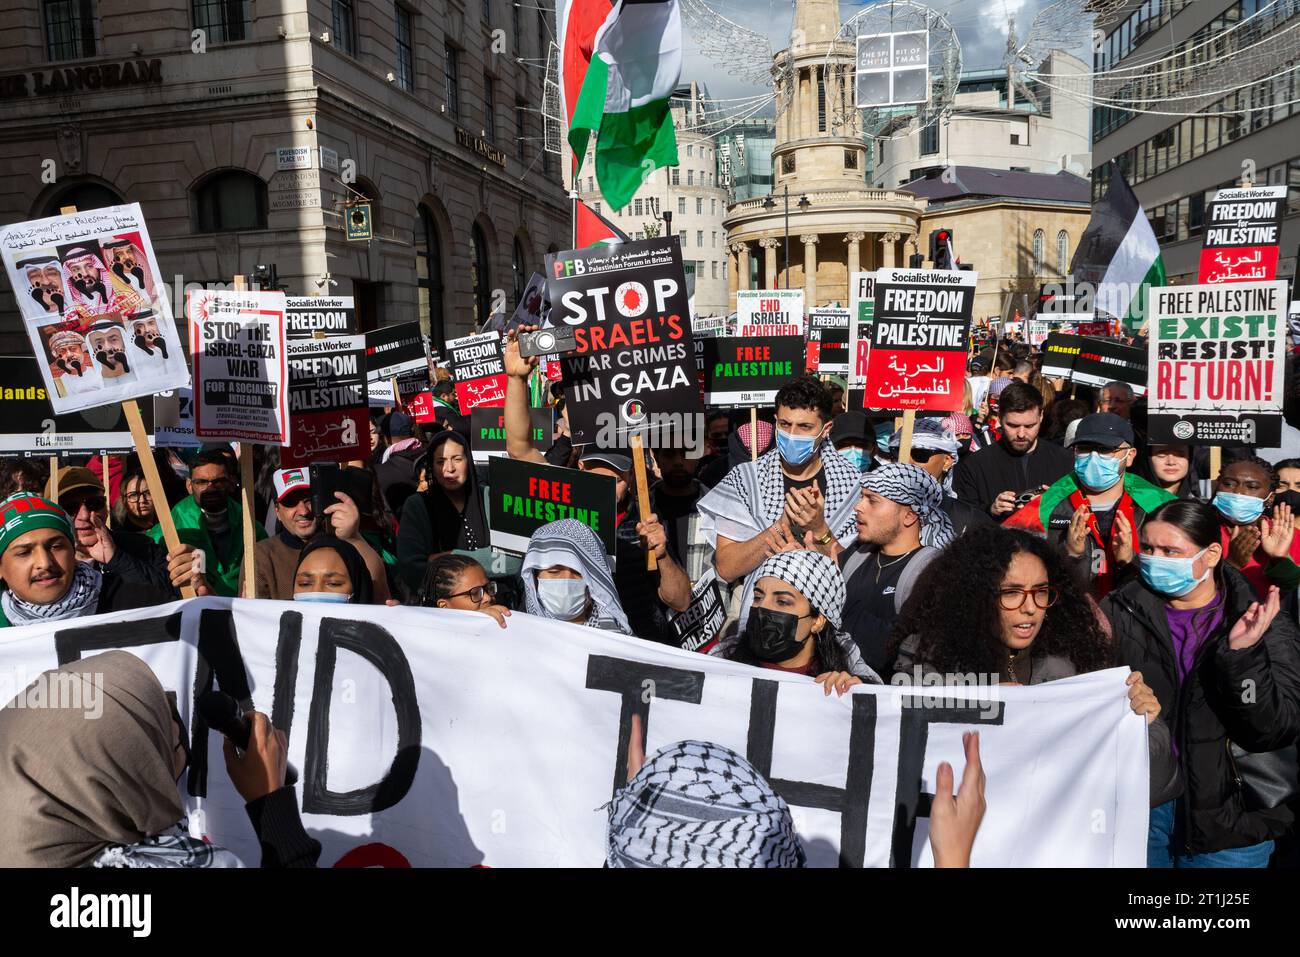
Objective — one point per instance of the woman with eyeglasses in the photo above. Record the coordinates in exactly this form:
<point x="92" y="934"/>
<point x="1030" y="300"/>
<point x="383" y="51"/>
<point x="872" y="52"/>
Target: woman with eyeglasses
<point x="1226" y="670"/>
<point x="458" y="581"/>
<point x="135" y="510"/>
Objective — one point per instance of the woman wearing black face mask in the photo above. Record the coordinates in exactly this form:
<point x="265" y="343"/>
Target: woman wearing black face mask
<point x="794" y="623"/>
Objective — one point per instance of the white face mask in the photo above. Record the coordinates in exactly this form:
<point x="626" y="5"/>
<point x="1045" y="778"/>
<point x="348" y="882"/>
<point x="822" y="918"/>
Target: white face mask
<point x="563" y="598"/>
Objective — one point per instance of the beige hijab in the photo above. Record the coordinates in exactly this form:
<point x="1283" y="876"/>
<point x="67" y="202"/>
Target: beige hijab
<point x="72" y="784"/>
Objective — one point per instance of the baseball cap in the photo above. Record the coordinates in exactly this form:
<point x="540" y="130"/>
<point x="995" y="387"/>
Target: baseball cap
<point x="290" y="480"/>
<point x="851" y="426"/>
<point x="1105" y="429"/>
<point x="614" y="460"/>
<point x="72" y="477"/>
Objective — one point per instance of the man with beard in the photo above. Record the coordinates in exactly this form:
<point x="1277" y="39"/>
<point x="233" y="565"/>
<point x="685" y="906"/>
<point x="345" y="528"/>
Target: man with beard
<point x="125" y="262"/>
<point x="212" y="521"/>
<point x="46" y="279"/>
<point x="149" y="347"/>
<point x="87" y="278"/>
<point x="75" y="370"/>
<point x="108" y="346"/>
<point x="673" y="499"/>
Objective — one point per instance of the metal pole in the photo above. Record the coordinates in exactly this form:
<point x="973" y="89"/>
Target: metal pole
<point x="785" y="279"/>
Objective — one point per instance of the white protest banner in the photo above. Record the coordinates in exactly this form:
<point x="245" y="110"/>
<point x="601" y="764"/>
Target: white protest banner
<point x="769" y="312"/>
<point x="438" y="736"/>
<point x="1216" y="356"/>
<point x="862" y="306"/>
<point x="240" y="367"/>
<point x="94" y="306"/>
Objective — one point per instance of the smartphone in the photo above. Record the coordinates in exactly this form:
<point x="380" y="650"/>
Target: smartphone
<point x="353" y="482"/>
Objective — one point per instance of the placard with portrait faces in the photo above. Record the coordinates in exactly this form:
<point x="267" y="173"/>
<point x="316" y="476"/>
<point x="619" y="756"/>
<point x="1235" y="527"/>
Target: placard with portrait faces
<point x="94" y="306"/>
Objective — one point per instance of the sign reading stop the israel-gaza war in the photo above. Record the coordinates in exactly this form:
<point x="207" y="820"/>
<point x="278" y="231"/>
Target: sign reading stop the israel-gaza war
<point x="29" y="426"/>
<point x="487" y="432"/>
<point x="919" y="336"/>
<point x="524" y="496"/>
<point x="479" y="371"/>
<point x="94" y="306"/>
<point x="396" y="352"/>
<point x="241" y="369"/>
<point x="405" y="759"/>
<point x="828" y="340"/>
<point x="770" y="312"/>
<point x="1243" y="228"/>
<point x="1217" y="355"/>
<point x="749" y="372"/>
<point x="633" y="371"/>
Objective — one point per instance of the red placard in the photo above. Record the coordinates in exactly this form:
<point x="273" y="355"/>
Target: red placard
<point x="326" y="437"/>
<point x="1238" y="264"/>
<point x="421" y="408"/>
<point x="488" y="392"/>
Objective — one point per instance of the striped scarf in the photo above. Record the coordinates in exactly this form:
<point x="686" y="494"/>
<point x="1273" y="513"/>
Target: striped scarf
<point x="573" y="544"/>
<point x="79" y="600"/>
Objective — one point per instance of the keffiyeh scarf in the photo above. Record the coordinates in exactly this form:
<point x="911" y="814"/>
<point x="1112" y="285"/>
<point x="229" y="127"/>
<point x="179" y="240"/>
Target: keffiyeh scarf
<point x="912" y="486"/>
<point x="572" y="544"/>
<point x="696" y="804"/>
<point x="81" y="599"/>
<point x="815" y="576"/>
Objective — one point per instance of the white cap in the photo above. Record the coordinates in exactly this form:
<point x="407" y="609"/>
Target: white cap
<point x="290" y="480"/>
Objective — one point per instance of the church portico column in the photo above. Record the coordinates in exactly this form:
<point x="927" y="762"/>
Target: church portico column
<point x="742" y="267"/>
<point x="809" y="269"/>
<point x="854" y="243"/>
<point x="769" y="262"/>
<point x="889" y="250"/>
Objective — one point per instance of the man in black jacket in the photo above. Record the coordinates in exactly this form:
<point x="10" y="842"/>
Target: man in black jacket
<point x="1018" y="464"/>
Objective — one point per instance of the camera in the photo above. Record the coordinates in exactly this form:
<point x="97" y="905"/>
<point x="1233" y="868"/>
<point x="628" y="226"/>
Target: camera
<point x="555" y="339"/>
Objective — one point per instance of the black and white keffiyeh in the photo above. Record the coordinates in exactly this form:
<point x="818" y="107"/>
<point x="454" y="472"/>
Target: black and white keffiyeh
<point x="697" y="804"/>
<point x="573" y="544"/>
<point x="815" y="576"/>
<point x="82" y="598"/>
<point x="912" y="486"/>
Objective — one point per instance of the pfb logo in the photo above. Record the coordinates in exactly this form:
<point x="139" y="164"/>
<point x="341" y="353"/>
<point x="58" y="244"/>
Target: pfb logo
<point x="634" y="411"/>
<point x="631" y="299"/>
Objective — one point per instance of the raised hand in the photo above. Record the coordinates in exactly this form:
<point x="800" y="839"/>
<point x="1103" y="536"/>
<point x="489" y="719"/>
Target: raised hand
<point x="1277" y="533"/>
<point x="1251" y="626"/>
<point x="955" y="819"/>
<point x="1242" y="542"/>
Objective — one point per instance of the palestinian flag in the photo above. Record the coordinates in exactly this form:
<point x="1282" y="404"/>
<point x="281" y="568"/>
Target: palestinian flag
<point x="1119" y="255"/>
<point x="619" y="88"/>
<point x="591" y="228"/>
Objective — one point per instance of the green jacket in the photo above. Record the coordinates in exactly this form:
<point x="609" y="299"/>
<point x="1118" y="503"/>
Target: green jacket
<point x="223" y="576"/>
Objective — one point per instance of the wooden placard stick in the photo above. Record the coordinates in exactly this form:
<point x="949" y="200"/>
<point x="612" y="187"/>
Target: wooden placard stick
<point x="905" y="442"/>
<point x="1216" y="461"/>
<point x="54" y="479"/>
<point x="246" y="497"/>
<point x="140" y="439"/>
<point x="642" y="495"/>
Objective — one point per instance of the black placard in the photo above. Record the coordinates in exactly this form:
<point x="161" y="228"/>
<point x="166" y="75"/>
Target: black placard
<point x="487" y="431"/>
<point x="524" y="496"/>
<point x="314" y="317"/>
<point x="1105" y="360"/>
<point x="750" y="371"/>
<point x="392" y="350"/>
<point x="30" y="425"/>
<point x="1060" y="350"/>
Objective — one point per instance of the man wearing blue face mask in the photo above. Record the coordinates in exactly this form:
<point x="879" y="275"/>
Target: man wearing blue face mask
<point x="1095" y="511"/>
<point x="799" y="495"/>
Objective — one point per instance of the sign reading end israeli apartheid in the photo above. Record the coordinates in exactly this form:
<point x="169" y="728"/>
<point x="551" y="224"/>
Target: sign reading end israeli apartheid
<point x="1243" y="230"/>
<point x="1217" y="355"/>
<point x="524" y="496"/>
<point x="479" y="371"/>
<point x="633" y="369"/>
<point x="487" y="432"/>
<point x="745" y="372"/>
<point x="919" y="338"/>
<point x="769" y="312"/>
<point x="240" y="367"/>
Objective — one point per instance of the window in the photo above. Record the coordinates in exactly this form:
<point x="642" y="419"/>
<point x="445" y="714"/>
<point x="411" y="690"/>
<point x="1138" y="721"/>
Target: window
<point x="681" y="237"/>
<point x="1039" y="243"/>
<point x="699" y="205"/>
<point x="405" y="65"/>
<point x="714" y="271"/>
<point x="788" y="162"/>
<point x="596" y="206"/>
<point x="821" y="100"/>
<point x="223" y="21"/>
<point x="676" y="178"/>
<point x="1062" y="252"/>
<point x="70" y="29"/>
<point x="451" y="73"/>
<point x="489" y="108"/>
<point x="229" y="201"/>
<point x="690" y="178"/>
<point x="930" y="138"/>
<point x="681" y="205"/>
<point x="521" y="129"/>
<point x="715" y="239"/>
<point x="1015" y="139"/>
<point x="428" y="275"/>
<point x="344" y="34"/>
<point x="713" y="207"/>
<point x="638" y="207"/>
<point x="480" y="275"/>
<point x="690" y="149"/>
<point x="83" y="196"/>
<point x="699" y="238"/>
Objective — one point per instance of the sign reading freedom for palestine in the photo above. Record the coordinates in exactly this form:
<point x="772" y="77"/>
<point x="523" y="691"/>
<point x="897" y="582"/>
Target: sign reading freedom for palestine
<point x="1216" y="356"/>
<point x="919" y="335"/>
<point x="524" y="496"/>
<point x="1243" y="228"/>
<point x="750" y="371"/>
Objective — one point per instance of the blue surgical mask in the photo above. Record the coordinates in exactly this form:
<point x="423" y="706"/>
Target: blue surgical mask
<point x="857" y="456"/>
<point x="324" y="597"/>
<point x="1096" y="471"/>
<point x="795" y="449"/>
<point x="1171" y="577"/>
<point x="1242" y="509"/>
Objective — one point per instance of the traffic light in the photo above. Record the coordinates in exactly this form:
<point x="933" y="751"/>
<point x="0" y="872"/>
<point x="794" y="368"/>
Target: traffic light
<point x="940" y="248"/>
<point x="916" y="261"/>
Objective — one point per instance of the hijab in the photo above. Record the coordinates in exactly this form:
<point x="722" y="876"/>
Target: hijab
<point x="363" y="589"/>
<point x="452" y="528"/>
<point x="72" y="784"/>
<point x="573" y="544"/>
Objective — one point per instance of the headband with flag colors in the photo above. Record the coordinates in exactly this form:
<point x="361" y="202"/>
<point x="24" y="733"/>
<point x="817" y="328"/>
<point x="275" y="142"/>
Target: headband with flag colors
<point x="23" y="512"/>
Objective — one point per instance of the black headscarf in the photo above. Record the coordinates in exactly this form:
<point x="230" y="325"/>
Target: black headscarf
<point x="363" y="589"/>
<point x="1198" y="469"/>
<point x="452" y="528"/>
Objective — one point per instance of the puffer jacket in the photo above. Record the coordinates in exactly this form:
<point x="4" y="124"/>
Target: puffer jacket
<point x="1250" y="698"/>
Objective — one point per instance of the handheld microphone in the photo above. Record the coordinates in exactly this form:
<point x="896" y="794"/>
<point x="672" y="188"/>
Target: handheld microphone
<point x="222" y="714"/>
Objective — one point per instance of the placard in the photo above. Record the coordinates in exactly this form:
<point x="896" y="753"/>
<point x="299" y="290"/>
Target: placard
<point x="524" y="496"/>
<point x="240" y="368"/>
<point x="313" y="317"/>
<point x="1060" y="350"/>
<point x="770" y="312"/>
<point x="392" y="350"/>
<point x="29" y="426"/>
<point x="94" y="306"/>
<point x="862" y="306"/>
<point x="1243" y="229"/>
<point x="173" y="419"/>
<point x="633" y="371"/>
<point x="1217" y="356"/>
<point x="487" y="432"/>
<point x="327" y="401"/>
<point x="919" y="338"/>
<point x="828" y="341"/>
<point x="750" y="372"/>
<point x="698" y="627"/>
<point x="1101" y="361"/>
<point x="479" y="371"/>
